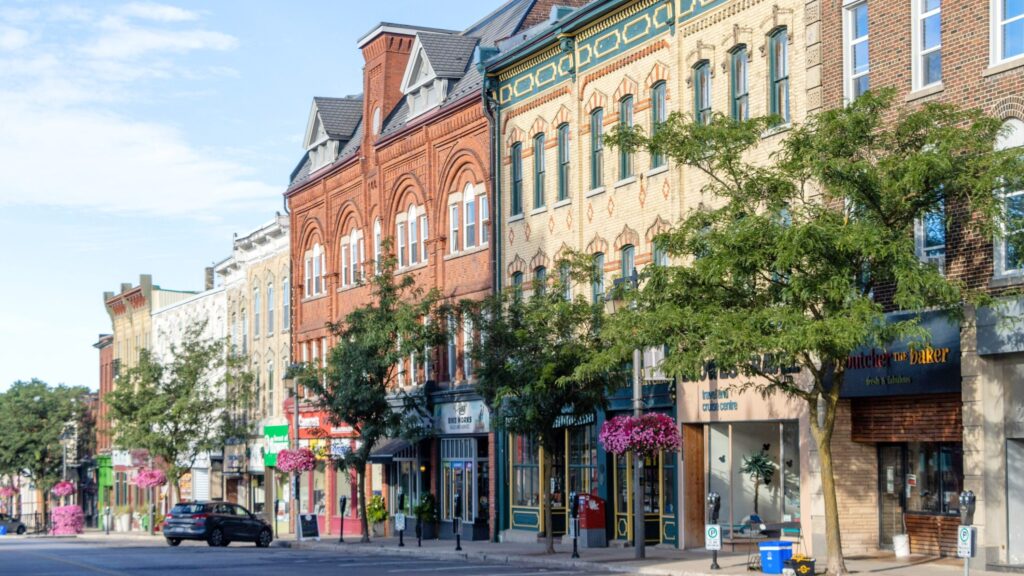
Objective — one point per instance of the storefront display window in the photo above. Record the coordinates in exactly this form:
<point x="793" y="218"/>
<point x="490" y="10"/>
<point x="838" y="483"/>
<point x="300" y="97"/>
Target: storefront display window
<point x="525" y="472"/>
<point x="320" y="488"/>
<point x="344" y="486"/>
<point x="583" y="459"/>
<point x="304" y="504"/>
<point x="458" y="463"/>
<point x="405" y="480"/>
<point x="934" y="477"/>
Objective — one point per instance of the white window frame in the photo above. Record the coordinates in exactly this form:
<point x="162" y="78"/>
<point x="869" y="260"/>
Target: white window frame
<point x="270" y="307"/>
<point x="921" y="247"/>
<point x="996" y="34"/>
<point x="414" y="236"/>
<point x="286" y="304"/>
<point x="454" y="245"/>
<point x="345" y="259"/>
<point x="257" y="306"/>
<point x="1013" y="139"/>
<point x="376" y="246"/>
<point x="850" y="43"/>
<point x="424" y="236"/>
<point x="467" y="346"/>
<point x="485" y="219"/>
<point x="469" y="217"/>
<point x="916" y="41"/>
<point x="400" y="233"/>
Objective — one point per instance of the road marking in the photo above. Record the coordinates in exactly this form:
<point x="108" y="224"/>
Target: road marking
<point x="440" y="568"/>
<point x="89" y="567"/>
<point x="364" y="564"/>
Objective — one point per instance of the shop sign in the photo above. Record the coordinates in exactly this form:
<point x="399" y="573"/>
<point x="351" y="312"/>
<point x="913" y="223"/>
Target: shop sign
<point x="905" y="367"/>
<point x="340" y="448"/>
<point x="470" y="417"/>
<point x="717" y="401"/>
<point x="568" y="420"/>
<point x="276" y="438"/>
<point x="309" y="421"/>
<point x="233" y="458"/>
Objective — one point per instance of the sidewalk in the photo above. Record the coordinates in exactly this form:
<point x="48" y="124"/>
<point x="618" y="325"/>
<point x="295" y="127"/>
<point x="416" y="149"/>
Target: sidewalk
<point x="660" y="561"/>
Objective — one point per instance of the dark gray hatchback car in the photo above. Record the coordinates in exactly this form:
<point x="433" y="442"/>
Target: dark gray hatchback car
<point x="218" y="523"/>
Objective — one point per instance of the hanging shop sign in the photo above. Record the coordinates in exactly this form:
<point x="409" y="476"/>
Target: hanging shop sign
<point x="471" y="417"/>
<point x="276" y="440"/>
<point x="908" y="367"/>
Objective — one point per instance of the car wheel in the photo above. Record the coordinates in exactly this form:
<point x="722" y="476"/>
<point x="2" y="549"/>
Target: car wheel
<point x="173" y="541"/>
<point x="263" y="540"/>
<point x="21" y="529"/>
<point x="216" y="538"/>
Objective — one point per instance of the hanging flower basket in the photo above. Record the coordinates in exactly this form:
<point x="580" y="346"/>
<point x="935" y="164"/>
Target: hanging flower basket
<point x="63" y="488"/>
<point x="8" y="491"/>
<point x="646" y="435"/>
<point x="150" y="478"/>
<point x="299" y="460"/>
<point x="67" y="520"/>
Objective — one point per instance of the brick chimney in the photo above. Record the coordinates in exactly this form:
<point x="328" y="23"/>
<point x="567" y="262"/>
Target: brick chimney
<point x="543" y="10"/>
<point x="386" y="52"/>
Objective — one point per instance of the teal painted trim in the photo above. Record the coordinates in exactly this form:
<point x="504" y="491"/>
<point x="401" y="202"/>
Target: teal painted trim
<point x="525" y="518"/>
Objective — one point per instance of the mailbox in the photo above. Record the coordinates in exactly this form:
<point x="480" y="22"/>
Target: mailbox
<point x="714" y="501"/>
<point x="967" y="503"/>
<point x="591" y="511"/>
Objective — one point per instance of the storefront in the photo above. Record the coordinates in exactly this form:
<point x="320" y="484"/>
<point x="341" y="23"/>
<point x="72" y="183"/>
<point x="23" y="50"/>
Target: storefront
<point x="463" y="467"/>
<point x="727" y="431"/>
<point x="277" y="495"/>
<point x="905" y="401"/>
<point x="320" y="488"/>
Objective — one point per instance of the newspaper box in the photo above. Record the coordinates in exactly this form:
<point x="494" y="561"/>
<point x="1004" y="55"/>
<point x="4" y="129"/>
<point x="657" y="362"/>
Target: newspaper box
<point x="592" y="522"/>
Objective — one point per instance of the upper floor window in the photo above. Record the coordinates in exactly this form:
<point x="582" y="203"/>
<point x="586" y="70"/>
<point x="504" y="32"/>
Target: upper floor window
<point x="467" y="349"/>
<point x="352" y="258"/>
<point x="597" y="278"/>
<point x="539" y="167"/>
<point x="540" y="279"/>
<point x="270" y="307"/>
<point x="452" y="350"/>
<point x="517" y="283"/>
<point x="628" y="258"/>
<point x="702" y="92"/>
<point x="565" y="278"/>
<point x="485" y="220"/>
<point x="658" y="116"/>
<point x="314" y="271"/>
<point x="469" y="213"/>
<point x="1007" y="30"/>
<point x="596" y="148"/>
<point x="778" y="64"/>
<point x="927" y="42"/>
<point x="1008" y="252"/>
<point x="414" y="237"/>
<point x="256" y="307"/>
<point x="626" y="121"/>
<point x="468" y="219"/>
<point x="401" y="232"/>
<point x="286" y="304"/>
<point x="376" y="246"/>
<point x="855" y="55"/>
<point x="563" y="162"/>
<point x="453" y="230"/>
<point x="930" y="238"/>
<point x="739" y="90"/>
<point x="660" y="254"/>
<point x="517" y="180"/>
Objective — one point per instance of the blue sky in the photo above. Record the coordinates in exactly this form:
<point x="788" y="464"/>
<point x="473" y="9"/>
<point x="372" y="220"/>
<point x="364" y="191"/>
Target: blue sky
<point x="136" y="137"/>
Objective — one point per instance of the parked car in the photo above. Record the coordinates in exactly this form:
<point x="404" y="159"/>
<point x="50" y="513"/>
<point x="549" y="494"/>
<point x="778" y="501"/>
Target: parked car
<point x="13" y="526"/>
<point x="218" y="523"/>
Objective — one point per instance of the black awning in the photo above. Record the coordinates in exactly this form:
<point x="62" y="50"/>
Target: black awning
<point x="385" y="452"/>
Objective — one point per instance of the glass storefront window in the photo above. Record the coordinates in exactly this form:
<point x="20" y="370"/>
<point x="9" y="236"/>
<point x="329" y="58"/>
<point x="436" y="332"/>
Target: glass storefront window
<point x="583" y="459"/>
<point x="525" y="472"/>
<point x="320" y="488"/>
<point x="304" y="493"/>
<point x="405" y="476"/>
<point x="651" y="488"/>
<point x="344" y="486"/>
<point x="934" y="477"/>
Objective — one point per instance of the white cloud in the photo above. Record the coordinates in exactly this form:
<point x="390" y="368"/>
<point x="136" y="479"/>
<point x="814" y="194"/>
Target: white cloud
<point x="124" y="41"/>
<point x="13" y="38"/>
<point x="158" y="12"/>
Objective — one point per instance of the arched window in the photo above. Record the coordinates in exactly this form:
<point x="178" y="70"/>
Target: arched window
<point x="270" y="307"/>
<point x="469" y="214"/>
<point x="414" y="236"/>
<point x="315" y="265"/>
<point x="517" y="180"/>
<point x="517" y="283"/>
<point x="1009" y="247"/>
<point x="539" y="169"/>
<point x="256" y="306"/>
<point x="376" y="246"/>
<point x="628" y="258"/>
<point x="563" y="162"/>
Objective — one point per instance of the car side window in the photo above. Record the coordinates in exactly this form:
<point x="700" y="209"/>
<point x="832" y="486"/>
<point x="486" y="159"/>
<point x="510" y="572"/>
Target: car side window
<point x="239" y="511"/>
<point x="222" y="509"/>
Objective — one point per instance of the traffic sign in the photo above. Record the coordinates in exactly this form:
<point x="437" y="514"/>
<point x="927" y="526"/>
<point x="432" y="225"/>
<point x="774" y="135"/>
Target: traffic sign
<point x="965" y="542"/>
<point x="712" y="537"/>
<point x="399" y="521"/>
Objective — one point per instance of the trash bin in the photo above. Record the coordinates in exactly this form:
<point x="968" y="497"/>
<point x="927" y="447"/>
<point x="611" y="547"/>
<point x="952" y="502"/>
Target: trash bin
<point x="774" y="554"/>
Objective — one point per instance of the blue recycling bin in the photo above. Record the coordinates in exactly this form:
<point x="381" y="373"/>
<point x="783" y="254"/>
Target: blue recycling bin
<point x="774" y="554"/>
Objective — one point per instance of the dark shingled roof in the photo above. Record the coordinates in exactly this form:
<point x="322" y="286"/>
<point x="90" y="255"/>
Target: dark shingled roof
<point x="449" y="54"/>
<point x="340" y="115"/>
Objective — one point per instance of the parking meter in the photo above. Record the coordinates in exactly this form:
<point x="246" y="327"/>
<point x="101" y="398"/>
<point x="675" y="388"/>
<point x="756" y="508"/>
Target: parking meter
<point x="967" y="503"/>
<point x="457" y="521"/>
<point x="401" y="502"/>
<point x="400" y="518"/>
<point x="714" y="505"/>
<point x="574" y="511"/>
<point x="342" y="504"/>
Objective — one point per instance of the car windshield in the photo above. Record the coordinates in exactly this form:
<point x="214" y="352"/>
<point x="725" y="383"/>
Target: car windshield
<point x="188" y="509"/>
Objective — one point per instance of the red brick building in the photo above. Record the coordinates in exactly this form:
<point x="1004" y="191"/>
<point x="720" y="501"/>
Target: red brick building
<point x="408" y="159"/>
<point x="934" y="445"/>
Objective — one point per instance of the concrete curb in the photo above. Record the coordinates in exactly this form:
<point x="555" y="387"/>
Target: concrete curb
<point x="498" y="558"/>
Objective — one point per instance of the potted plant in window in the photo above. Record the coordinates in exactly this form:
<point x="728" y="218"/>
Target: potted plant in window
<point x="761" y="469"/>
<point x="426" y="516"/>
<point x="377" y="514"/>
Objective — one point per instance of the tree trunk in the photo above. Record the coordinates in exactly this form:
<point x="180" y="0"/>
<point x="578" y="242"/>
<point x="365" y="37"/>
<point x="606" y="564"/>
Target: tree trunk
<point x="549" y="533"/>
<point x="364" y="522"/>
<point x="823" y="437"/>
<point x="757" y="493"/>
<point x="46" y="508"/>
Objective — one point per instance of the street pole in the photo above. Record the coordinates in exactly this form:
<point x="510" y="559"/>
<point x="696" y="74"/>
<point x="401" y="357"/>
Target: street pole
<point x="295" y="475"/>
<point x="638" y="493"/>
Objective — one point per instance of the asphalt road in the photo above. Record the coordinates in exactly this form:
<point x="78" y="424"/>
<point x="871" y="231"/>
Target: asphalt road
<point x="58" y="557"/>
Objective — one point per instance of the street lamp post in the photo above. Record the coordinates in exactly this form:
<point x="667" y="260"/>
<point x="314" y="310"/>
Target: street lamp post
<point x="639" y="531"/>
<point x="294" y="476"/>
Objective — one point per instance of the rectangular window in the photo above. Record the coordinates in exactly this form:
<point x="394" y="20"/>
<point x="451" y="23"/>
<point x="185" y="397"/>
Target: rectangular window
<point x="452" y="349"/>
<point x="344" y="264"/>
<point x="453" y="219"/>
<point x="738" y="87"/>
<point x="1011" y="260"/>
<point x="539" y="167"/>
<point x="927" y="43"/>
<point x="563" y="162"/>
<point x="470" y="214"/>
<point x="317" y="273"/>
<point x="376" y="247"/>
<point x="855" y="55"/>
<point x="702" y="93"/>
<point x="308" y="288"/>
<point x="525" y="472"/>
<point x="517" y="179"/>
<point x="596" y="148"/>
<point x="931" y="238"/>
<point x="424" y="236"/>
<point x="658" y="117"/>
<point x="402" y="260"/>
<point x="414" y="242"/>
<point x="565" y="278"/>
<point x="270" y="308"/>
<point x="597" y="282"/>
<point x="485" y="220"/>
<point x="540" y="279"/>
<point x="583" y="459"/>
<point x="628" y="260"/>
<point x="626" y="121"/>
<point x="778" y="45"/>
<point x="467" y="348"/>
<point x="1007" y="30"/>
<point x="286" y="301"/>
<point x="256" y="307"/>
<point x="660" y="254"/>
<point x="939" y="470"/>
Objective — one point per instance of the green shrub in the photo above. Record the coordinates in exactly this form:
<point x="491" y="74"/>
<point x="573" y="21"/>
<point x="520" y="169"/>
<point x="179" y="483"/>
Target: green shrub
<point x="376" y="511"/>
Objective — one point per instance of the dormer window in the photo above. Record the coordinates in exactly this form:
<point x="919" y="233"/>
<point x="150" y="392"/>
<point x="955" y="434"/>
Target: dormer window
<point x="437" y="60"/>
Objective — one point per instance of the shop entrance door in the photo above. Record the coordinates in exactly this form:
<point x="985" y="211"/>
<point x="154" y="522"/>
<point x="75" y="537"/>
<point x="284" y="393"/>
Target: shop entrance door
<point x="892" y="493"/>
<point x="652" y="498"/>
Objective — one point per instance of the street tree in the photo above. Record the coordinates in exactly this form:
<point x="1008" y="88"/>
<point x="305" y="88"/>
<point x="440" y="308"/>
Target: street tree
<point x="526" y="358"/>
<point x="796" y="260"/>
<point x="184" y="406"/>
<point x="33" y="418"/>
<point x="358" y="385"/>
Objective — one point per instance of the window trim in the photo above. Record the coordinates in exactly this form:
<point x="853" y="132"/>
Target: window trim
<point x="454" y="222"/>
<point x="563" y="161"/>
<point x="469" y="218"/>
<point x="516" y="196"/>
<point x="659" y="114"/>
<point x="917" y="69"/>
<point x="850" y="42"/>
<point x="539" y="170"/>
<point x="626" y="107"/>
<point x="921" y="237"/>
<point x="996" y="25"/>
<point x="778" y="37"/>
<point x="702" y="92"/>
<point x="596" y="148"/>
<point x="739" y="55"/>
